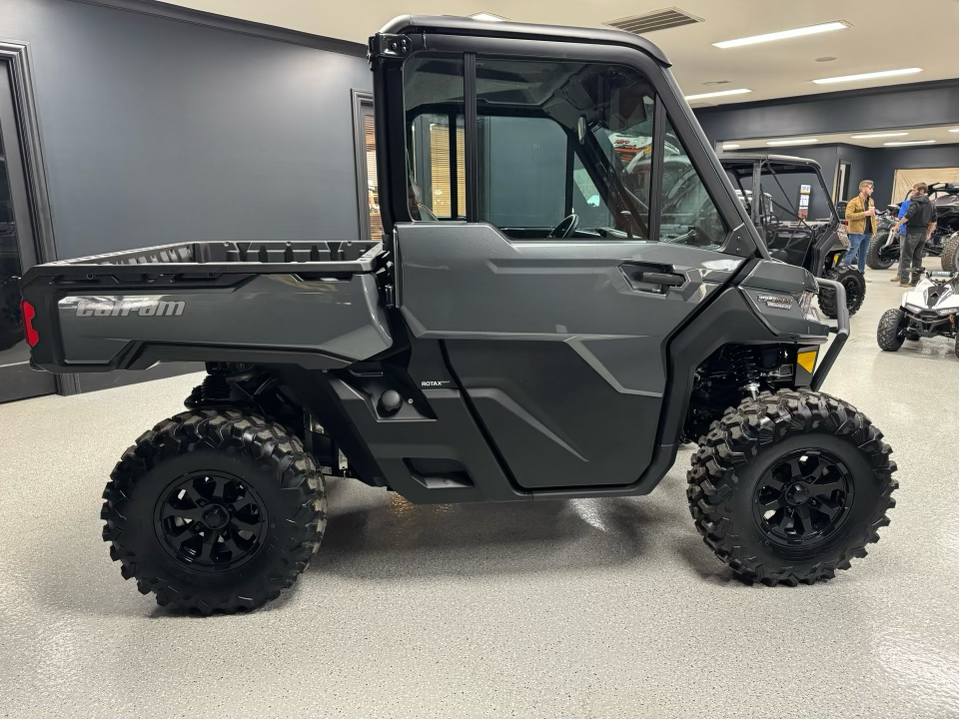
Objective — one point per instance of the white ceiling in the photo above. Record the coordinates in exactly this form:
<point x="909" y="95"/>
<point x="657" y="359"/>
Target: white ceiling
<point x="884" y="35"/>
<point x="941" y="135"/>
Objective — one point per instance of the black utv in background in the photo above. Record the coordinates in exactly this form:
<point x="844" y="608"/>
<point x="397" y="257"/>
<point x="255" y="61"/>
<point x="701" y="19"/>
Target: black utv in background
<point x="884" y="248"/>
<point x="544" y="319"/>
<point x="805" y="235"/>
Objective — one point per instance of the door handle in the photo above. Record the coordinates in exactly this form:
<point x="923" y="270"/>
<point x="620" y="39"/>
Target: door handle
<point x="657" y="278"/>
<point x="652" y="278"/>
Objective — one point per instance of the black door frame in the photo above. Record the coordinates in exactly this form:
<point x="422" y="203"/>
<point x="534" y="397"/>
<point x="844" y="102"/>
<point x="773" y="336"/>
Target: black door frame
<point x="16" y="64"/>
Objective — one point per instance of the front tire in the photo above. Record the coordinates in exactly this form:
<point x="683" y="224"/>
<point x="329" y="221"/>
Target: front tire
<point x="854" y="285"/>
<point x="891" y="331"/>
<point x="877" y="260"/>
<point x="948" y="260"/>
<point x="788" y="488"/>
<point x="214" y="511"/>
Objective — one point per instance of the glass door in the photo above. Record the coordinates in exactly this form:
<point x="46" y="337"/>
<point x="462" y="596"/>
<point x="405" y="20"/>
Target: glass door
<point x="17" y="253"/>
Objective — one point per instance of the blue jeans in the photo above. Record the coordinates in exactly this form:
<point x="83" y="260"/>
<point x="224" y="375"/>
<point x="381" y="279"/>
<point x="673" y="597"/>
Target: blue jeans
<point x="859" y="242"/>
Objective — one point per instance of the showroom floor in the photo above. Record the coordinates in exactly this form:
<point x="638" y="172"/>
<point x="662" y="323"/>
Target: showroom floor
<point x="581" y="608"/>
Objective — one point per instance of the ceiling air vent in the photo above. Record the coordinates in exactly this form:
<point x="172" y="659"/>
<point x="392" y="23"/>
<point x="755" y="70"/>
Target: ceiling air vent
<point x="656" y="20"/>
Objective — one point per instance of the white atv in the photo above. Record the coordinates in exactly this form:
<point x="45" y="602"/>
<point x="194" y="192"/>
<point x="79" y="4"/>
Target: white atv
<point x="928" y="310"/>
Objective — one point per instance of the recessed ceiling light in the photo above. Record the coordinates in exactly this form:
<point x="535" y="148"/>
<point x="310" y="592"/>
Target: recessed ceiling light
<point x="879" y="135"/>
<point x="782" y="35"/>
<point x="868" y="76"/>
<point x="954" y="129"/>
<point x="730" y="146"/>
<point x="488" y="17"/>
<point x="718" y="93"/>
<point x="910" y="142"/>
<point x="797" y="141"/>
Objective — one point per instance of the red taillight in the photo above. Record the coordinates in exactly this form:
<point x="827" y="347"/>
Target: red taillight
<point x="26" y="309"/>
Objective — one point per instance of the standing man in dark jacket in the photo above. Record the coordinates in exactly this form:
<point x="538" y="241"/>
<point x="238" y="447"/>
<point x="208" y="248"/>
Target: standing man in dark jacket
<point x="920" y="219"/>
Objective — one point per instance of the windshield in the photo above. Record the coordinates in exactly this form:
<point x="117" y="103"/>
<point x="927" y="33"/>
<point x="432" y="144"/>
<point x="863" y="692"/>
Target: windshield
<point x="793" y="194"/>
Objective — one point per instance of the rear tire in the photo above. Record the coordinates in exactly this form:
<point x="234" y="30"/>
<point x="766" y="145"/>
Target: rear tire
<point x="214" y="511"/>
<point x="874" y="261"/>
<point x="823" y="519"/>
<point x="948" y="260"/>
<point x="854" y="285"/>
<point x="890" y="330"/>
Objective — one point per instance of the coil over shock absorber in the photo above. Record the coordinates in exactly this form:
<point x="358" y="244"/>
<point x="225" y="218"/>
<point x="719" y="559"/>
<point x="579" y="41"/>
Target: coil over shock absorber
<point x="213" y="390"/>
<point x="743" y="361"/>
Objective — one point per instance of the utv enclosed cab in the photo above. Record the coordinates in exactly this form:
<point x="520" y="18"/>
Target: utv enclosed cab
<point x="797" y="220"/>
<point x="545" y="318"/>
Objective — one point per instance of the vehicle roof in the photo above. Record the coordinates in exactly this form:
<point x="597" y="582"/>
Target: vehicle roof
<point x="750" y="158"/>
<point x="520" y="31"/>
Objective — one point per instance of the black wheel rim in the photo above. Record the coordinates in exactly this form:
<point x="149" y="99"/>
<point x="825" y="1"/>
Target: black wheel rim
<point x="803" y="498"/>
<point x="211" y="521"/>
<point x="854" y="296"/>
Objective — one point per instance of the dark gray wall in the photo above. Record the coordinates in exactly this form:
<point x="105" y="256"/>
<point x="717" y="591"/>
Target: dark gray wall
<point x="156" y="130"/>
<point x="886" y="161"/>
<point x="877" y="164"/>
<point x="913" y="105"/>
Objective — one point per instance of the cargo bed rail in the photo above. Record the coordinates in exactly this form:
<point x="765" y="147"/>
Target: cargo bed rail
<point x="263" y="256"/>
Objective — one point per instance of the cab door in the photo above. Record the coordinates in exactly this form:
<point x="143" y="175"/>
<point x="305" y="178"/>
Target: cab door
<point x="557" y="288"/>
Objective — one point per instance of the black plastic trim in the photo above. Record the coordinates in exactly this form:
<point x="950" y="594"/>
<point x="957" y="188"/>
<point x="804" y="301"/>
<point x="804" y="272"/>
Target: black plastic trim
<point x="471" y="159"/>
<point x="843" y="332"/>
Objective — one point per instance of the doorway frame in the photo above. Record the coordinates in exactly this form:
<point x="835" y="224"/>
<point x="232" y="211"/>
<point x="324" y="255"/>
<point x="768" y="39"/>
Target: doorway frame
<point x="843" y="181"/>
<point x="15" y="60"/>
<point x="361" y="101"/>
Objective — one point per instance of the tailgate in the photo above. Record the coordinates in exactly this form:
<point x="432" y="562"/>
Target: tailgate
<point x="315" y="304"/>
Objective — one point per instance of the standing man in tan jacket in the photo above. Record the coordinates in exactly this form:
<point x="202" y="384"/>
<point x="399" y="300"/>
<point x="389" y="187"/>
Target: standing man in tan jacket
<point x="861" y="225"/>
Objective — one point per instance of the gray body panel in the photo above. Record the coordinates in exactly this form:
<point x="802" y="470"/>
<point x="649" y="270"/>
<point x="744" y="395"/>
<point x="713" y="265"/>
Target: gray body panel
<point x="770" y="289"/>
<point x="559" y="345"/>
<point x="472" y="282"/>
<point x="314" y="304"/>
<point x="340" y="320"/>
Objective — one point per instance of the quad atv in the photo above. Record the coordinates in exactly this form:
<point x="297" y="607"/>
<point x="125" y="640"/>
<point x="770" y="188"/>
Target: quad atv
<point x="884" y="248"/>
<point x="928" y="310"/>
<point x="790" y="236"/>
<point x="553" y="330"/>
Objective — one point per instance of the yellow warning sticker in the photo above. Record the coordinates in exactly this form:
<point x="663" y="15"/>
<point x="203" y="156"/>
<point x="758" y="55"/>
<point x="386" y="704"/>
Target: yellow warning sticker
<point x="807" y="360"/>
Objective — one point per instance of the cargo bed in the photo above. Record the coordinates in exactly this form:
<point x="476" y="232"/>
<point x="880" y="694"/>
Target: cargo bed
<point x="314" y="304"/>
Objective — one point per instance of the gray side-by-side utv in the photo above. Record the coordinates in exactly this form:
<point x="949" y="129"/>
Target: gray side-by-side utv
<point x="811" y="242"/>
<point x="538" y="322"/>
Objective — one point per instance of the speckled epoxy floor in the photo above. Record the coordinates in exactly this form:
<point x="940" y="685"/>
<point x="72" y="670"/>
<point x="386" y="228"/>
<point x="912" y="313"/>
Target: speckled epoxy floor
<point x="584" y="608"/>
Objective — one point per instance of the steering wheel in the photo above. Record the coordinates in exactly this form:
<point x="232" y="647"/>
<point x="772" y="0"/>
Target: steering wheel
<point x="566" y="227"/>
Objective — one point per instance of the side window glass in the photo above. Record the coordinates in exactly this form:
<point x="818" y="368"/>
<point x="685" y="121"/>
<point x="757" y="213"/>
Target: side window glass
<point x="687" y="214"/>
<point x="522" y="172"/>
<point x="560" y="148"/>
<point x="433" y="100"/>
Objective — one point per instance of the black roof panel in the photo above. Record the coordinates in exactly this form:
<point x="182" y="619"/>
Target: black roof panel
<point x="451" y="25"/>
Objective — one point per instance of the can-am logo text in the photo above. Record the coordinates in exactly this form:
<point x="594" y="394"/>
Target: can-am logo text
<point x="142" y="307"/>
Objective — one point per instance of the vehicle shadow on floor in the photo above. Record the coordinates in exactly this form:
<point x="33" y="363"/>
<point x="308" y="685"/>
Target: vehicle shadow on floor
<point x="401" y="539"/>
